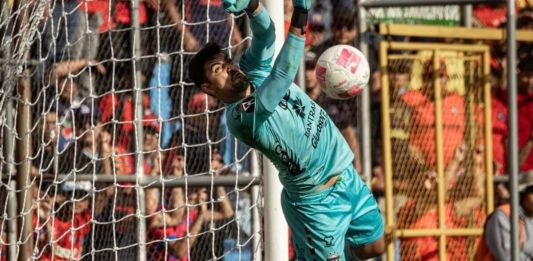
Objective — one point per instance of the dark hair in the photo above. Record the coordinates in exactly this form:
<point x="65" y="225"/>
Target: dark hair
<point x="524" y="63"/>
<point x="196" y="66"/>
<point x="344" y="18"/>
<point x="528" y="190"/>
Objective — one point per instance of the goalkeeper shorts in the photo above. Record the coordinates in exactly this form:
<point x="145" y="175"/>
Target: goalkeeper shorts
<point x="344" y="213"/>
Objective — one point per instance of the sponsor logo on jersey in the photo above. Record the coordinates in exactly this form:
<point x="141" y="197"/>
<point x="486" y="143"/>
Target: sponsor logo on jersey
<point x="284" y="103"/>
<point x="287" y="156"/>
<point x="328" y="240"/>
<point x="299" y="108"/>
<point x="248" y="104"/>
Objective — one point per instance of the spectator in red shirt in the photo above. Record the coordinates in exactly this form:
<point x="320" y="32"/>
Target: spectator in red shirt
<point x="421" y="102"/>
<point x="69" y="223"/>
<point x="172" y="219"/>
<point x="525" y="112"/>
<point x="499" y="123"/>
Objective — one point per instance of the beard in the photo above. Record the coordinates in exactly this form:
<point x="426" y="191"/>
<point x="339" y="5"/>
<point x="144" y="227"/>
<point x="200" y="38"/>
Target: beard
<point x="239" y="80"/>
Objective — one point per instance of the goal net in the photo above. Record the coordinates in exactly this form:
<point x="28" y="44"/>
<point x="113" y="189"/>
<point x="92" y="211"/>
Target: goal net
<point x="109" y="152"/>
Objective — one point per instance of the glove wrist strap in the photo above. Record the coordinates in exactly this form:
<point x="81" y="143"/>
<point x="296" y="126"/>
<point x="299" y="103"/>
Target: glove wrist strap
<point x="299" y="18"/>
<point x="252" y="6"/>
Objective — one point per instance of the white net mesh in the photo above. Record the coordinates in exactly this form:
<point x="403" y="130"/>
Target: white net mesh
<point x="127" y="160"/>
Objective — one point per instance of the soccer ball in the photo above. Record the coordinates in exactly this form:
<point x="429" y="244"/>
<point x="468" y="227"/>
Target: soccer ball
<point x="342" y="71"/>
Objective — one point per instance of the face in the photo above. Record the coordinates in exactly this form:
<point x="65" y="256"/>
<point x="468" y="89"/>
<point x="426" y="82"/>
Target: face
<point x="311" y="84"/>
<point x="344" y="34"/>
<point x="310" y="78"/>
<point x="178" y="162"/>
<point x="401" y="80"/>
<point x="526" y="82"/>
<point x="150" y="139"/>
<point x="527" y="204"/>
<point x="224" y="80"/>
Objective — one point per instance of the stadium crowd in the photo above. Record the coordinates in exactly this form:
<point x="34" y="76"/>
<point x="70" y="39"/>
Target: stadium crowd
<point x="85" y="96"/>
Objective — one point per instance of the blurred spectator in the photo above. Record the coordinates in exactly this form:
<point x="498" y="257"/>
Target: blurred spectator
<point x="422" y="106"/>
<point x="92" y="151"/>
<point x="67" y="218"/>
<point x="499" y="122"/>
<point x="525" y="19"/>
<point x="199" y="128"/>
<point x="153" y="157"/>
<point x="464" y="203"/>
<point x="161" y="103"/>
<point x="496" y="241"/>
<point x="341" y="112"/>
<point x="343" y="30"/>
<point x="45" y="141"/>
<point x="317" y="30"/>
<point x="239" y="227"/>
<point x="525" y="111"/>
<point x="221" y="215"/>
<point x="62" y="76"/>
<point x="172" y="219"/>
<point x="221" y="29"/>
<point x="63" y="31"/>
<point x="119" y="107"/>
<point x="173" y="16"/>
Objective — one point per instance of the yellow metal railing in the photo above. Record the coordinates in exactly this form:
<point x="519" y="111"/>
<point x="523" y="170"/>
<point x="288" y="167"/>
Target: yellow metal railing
<point x="476" y="97"/>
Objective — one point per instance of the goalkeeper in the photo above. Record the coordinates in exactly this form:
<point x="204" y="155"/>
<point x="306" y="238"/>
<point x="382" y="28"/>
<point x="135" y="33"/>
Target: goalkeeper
<point x="325" y="202"/>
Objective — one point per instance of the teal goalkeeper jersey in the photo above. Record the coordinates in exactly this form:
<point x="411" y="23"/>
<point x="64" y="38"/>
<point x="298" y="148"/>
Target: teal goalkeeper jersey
<point x="287" y="126"/>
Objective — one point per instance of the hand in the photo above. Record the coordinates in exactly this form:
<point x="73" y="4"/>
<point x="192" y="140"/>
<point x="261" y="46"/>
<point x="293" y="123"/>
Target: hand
<point x="235" y="6"/>
<point x="105" y="143"/>
<point x="156" y="158"/>
<point x="305" y="4"/>
<point x="190" y="43"/>
<point x="99" y="67"/>
<point x="178" y="166"/>
<point x="459" y="154"/>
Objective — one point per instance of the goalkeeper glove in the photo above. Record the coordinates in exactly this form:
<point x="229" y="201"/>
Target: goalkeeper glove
<point x="237" y="6"/>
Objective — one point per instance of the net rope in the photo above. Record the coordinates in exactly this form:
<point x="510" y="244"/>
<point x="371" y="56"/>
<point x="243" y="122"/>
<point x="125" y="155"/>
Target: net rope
<point x="91" y="71"/>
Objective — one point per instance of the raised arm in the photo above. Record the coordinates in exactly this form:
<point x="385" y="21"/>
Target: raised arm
<point x="257" y="60"/>
<point x="285" y="68"/>
<point x="263" y="30"/>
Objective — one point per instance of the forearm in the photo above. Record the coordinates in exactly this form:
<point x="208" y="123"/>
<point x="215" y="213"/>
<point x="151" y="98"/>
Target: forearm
<point x="177" y="203"/>
<point x="172" y="11"/>
<point x="64" y="68"/>
<point x="227" y="209"/>
<point x="181" y="246"/>
<point x="263" y="35"/>
<point x="275" y="86"/>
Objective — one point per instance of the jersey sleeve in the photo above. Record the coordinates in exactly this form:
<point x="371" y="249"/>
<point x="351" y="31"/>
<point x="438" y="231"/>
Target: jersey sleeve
<point x="256" y="61"/>
<point x="275" y="86"/>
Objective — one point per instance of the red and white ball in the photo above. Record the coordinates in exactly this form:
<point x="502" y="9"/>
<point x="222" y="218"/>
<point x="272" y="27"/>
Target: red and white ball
<point x="342" y="71"/>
